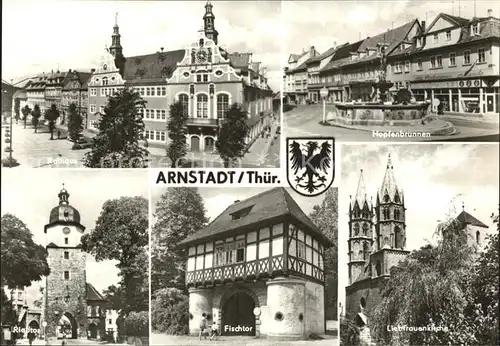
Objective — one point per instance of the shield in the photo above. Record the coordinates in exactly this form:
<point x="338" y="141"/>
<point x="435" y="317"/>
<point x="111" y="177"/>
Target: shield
<point x="310" y="164"/>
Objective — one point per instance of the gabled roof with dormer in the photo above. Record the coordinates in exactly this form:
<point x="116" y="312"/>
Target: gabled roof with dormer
<point x="391" y="39"/>
<point x="455" y="21"/>
<point x="269" y="205"/>
<point x="342" y="55"/>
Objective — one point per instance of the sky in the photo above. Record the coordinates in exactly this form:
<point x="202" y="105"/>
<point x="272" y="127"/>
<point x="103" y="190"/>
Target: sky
<point x="432" y="176"/>
<point x="42" y="35"/>
<point x="218" y="199"/>
<point x="322" y="23"/>
<point x="31" y="195"/>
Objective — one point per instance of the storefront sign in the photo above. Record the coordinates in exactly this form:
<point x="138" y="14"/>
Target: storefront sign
<point x="469" y="83"/>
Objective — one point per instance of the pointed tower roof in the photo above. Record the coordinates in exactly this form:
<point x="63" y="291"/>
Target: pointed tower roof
<point x="389" y="183"/>
<point x="360" y="196"/>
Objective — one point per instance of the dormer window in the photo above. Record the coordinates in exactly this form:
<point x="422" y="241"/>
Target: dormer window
<point x="105" y="81"/>
<point x="241" y="213"/>
<point x="448" y="35"/>
<point x="436" y="38"/>
<point x="475" y="29"/>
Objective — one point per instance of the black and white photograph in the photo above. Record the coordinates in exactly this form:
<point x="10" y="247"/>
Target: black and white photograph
<point x="250" y="266"/>
<point x="132" y="84"/>
<point x="418" y="240"/>
<point x="75" y="258"/>
<point x="409" y="71"/>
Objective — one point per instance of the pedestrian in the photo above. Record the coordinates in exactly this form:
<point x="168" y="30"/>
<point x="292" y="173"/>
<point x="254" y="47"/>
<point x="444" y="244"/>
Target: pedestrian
<point x="203" y="325"/>
<point x="215" y="331"/>
<point x="58" y="134"/>
<point x="31" y="337"/>
<point x="63" y="343"/>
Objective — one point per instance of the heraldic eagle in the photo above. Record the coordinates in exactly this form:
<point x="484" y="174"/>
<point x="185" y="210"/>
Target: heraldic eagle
<point x="314" y="164"/>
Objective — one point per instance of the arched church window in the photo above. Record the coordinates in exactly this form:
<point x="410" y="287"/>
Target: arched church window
<point x="386" y="214"/>
<point x="356" y="230"/>
<point x="378" y="268"/>
<point x="386" y="198"/>
<point x="398" y="241"/>
<point x="365" y="229"/>
<point x="478" y="237"/>
<point x="365" y="251"/>
<point x="396" y="199"/>
<point x="396" y="214"/>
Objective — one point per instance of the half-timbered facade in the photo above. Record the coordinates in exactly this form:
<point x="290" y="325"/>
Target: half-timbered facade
<point x="260" y="264"/>
<point x="204" y="77"/>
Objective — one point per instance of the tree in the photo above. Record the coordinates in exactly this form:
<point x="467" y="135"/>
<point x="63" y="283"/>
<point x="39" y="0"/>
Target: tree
<point x="179" y="213"/>
<point x="36" y="114"/>
<point x="17" y="105"/>
<point x="325" y="217"/>
<point x="26" y="111"/>
<point x="231" y="139"/>
<point x="170" y="311"/>
<point x="23" y="261"/>
<point x="120" y="130"/>
<point x="121" y="234"/>
<point x="484" y="307"/>
<point x="51" y="116"/>
<point x="176" y="129"/>
<point x="431" y="287"/>
<point x="75" y="124"/>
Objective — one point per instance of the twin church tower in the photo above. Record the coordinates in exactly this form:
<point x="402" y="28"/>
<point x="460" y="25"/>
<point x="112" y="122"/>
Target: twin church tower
<point x="377" y="240"/>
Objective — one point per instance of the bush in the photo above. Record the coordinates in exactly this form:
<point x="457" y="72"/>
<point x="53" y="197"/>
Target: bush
<point x="137" y="323"/>
<point x="349" y="333"/>
<point x="170" y="312"/>
<point x="7" y="162"/>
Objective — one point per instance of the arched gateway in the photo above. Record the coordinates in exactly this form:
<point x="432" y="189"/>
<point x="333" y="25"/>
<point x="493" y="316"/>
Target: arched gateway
<point x="258" y="269"/>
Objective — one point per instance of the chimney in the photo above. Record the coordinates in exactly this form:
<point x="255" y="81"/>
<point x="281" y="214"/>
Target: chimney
<point x="422" y="24"/>
<point x="92" y="70"/>
<point x="161" y="49"/>
<point x="69" y="71"/>
<point x="490" y="13"/>
<point x="311" y="52"/>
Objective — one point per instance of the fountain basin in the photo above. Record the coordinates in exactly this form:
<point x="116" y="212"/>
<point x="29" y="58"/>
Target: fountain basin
<point x="378" y="114"/>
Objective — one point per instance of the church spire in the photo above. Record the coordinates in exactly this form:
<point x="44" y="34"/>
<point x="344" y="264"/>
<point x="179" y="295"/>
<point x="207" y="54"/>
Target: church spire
<point x="360" y="196"/>
<point x="63" y="196"/>
<point x="389" y="185"/>
<point x="209" y="23"/>
<point x="116" y="48"/>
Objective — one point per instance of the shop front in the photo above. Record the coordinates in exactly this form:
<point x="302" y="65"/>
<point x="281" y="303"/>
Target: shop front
<point x="460" y="96"/>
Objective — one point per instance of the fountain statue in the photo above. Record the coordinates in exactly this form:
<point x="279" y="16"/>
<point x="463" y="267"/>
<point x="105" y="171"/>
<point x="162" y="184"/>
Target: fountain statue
<point x="382" y="85"/>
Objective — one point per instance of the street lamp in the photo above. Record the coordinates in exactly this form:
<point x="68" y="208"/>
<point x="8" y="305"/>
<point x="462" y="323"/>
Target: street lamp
<point x="324" y="93"/>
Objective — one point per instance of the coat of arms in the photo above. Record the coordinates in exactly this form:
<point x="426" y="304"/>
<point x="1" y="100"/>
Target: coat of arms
<point x="310" y="164"/>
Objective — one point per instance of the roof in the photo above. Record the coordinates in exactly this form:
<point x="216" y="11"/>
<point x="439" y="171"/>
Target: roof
<point x="488" y="28"/>
<point x="320" y="57"/>
<point x="457" y="21"/>
<point x="83" y="78"/>
<point x="467" y="219"/>
<point x="268" y="205"/>
<point x="93" y="294"/>
<point x="239" y="60"/>
<point x="389" y="183"/>
<point x="341" y="54"/>
<point x="392" y="38"/>
<point x="360" y="196"/>
<point x="152" y="67"/>
<point x="294" y="57"/>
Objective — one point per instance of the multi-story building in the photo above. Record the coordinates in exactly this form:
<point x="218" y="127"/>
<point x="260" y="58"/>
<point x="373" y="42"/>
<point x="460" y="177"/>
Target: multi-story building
<point x="295" y="79"/>
<point x="75" y="91"/>
<point x="455" y="60"/>
<point x="205" y="78"/>
<point x="331" y="75"/>
<point x="314" y="65"/>
<point x="53" y="88"/>
<point x="111" y="326"/>
<point x="258" y="269"/>
<point x="35" y="91"/>
<point x="362" y="72"/>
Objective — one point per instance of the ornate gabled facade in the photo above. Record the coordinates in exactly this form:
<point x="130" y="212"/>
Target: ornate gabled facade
<point x="71" y="305"/>
<point x="75" y="92"/>
<point x="259" y="265"/>
<point x="377" y="241"/>
<point x="203" y="76"/>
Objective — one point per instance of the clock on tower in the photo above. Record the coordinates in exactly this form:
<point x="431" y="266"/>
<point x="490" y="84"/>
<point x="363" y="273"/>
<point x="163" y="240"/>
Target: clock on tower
<point x="201" y="56"/>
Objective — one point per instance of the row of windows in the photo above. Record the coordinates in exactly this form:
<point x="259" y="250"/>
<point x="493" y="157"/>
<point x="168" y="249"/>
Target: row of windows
<point x="153" y="114"/>
<point x="152" y="135"/>
<point x="151" y="91"/>
<point x="436" y="61"/>
<point x="202" y="105"/>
